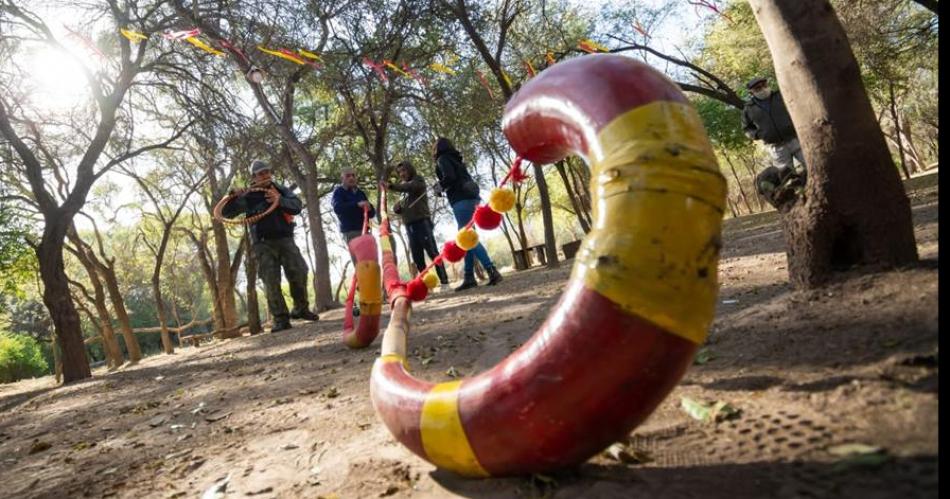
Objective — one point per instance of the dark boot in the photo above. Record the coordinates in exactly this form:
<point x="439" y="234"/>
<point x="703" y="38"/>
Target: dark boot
<point x="494" y="277"/>
<point x="280" y="325"/>
<point x="304" y="314"/>
<point x="469" y="282"/>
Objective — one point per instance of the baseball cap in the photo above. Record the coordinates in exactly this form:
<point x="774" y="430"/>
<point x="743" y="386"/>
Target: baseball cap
<point x="258" y="166"/>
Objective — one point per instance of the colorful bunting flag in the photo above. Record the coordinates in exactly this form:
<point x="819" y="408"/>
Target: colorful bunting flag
<point x="203" y="46"/>
<point x="529" y="68"/>
<point x="435" y="66"/>
<point x="482" y="79"/>
<point x="591" y="46"/>
<point x="133" y="36"/>
<point x="181" y="35"/>
<point x="377" y="67"/>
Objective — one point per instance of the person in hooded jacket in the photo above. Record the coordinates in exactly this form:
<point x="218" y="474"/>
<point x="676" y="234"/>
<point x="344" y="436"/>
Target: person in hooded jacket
<point x="462" y="192"/>
<point x="272" y="238"/>
<point x="413" y="207"/>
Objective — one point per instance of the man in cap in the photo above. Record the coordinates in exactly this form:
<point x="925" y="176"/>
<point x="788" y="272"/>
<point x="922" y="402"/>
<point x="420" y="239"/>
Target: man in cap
<point x="766" y="118"/>
<point x="274" y="247"/>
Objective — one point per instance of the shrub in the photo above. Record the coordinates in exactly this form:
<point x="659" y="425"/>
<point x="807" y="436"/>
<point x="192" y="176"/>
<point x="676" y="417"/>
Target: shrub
<point x="20" y="357"/>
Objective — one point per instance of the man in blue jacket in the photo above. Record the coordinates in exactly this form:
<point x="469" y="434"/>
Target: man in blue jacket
<point x="348" y="203"/>
<point x="274" y="247"/>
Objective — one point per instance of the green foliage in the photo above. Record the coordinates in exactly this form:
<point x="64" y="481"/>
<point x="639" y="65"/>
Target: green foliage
<point x="20" y="357"/>
<point x="736" y="50"/>
<point x="722" y="123"/>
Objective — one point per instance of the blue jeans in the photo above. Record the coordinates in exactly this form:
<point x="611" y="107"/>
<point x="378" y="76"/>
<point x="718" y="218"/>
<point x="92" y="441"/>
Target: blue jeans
<point x="463" y="211"/>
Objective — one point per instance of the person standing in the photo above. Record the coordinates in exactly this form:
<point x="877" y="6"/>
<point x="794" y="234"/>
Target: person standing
<point x="462" y="192"/>
<point x="348" y="204"/>
<point x="413" y="207"/>
<point x="274" y="247"/>
<point x="765" y="118"/>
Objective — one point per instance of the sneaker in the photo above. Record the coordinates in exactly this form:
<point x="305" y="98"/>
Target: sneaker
<point x="280" y="326"/>
<point x="305" y="315"/>
<point x="467" y="284"/>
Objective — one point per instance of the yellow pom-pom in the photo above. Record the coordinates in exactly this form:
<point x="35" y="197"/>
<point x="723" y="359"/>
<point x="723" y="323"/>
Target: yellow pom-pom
<point x="430" y="279"/>
<point x="467" y="239"/>
<point x="501" y="199"/>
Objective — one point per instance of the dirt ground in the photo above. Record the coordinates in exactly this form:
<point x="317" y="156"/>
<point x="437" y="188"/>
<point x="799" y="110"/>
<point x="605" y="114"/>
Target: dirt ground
<point x="289" y="415"/>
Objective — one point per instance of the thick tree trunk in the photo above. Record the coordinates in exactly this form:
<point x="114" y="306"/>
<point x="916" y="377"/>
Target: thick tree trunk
<point x="323" y="297"/>
<point x="250" y="274"/>
<point x="121" y="315"/>
<point x="854" y="211"/>
<point x="225" y="284"/>
<point x="58" y="301"/>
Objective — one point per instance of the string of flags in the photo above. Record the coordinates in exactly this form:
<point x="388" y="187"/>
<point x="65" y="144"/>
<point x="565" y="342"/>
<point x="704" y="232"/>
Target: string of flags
<point x="304" y="57"/>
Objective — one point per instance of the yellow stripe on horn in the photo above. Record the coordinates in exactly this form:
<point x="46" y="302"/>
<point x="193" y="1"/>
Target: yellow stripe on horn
<point x="371" y="291"/>
<point x="394" y="357"/>
<point x="443" y="436"/>
<point x="660" y="200"/>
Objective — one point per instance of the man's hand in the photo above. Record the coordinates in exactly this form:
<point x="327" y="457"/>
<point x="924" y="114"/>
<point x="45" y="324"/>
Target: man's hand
<point x="272" y="194"/>
<point x="384" y="184"/>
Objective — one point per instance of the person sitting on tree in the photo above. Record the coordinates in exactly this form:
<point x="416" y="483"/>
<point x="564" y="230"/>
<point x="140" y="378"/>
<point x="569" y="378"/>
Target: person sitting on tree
<point x="272" y="238"/>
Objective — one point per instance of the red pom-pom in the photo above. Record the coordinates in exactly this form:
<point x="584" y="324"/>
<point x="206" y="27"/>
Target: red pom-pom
<point x="517" y="173"/>
<point x="487" y="218"/>
<point x="452" y="252"/>
<point x="417" y="290"/>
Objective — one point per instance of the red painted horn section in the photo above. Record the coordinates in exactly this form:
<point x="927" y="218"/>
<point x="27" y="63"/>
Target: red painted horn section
<point x="639" y="302"/>
<point x="367" y="277"/>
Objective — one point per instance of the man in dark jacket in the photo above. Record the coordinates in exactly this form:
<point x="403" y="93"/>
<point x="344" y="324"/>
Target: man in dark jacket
<point x="416" y="218"/>
<point x="274" y="247"/>
<point x="348" y="203"/>
<point x="765" y="118"/>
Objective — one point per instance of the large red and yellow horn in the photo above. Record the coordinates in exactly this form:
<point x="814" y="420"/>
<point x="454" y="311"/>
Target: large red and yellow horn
<point x="639" y="302"/>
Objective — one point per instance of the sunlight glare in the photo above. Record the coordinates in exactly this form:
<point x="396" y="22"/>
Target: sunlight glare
<point x="59" y="81"/>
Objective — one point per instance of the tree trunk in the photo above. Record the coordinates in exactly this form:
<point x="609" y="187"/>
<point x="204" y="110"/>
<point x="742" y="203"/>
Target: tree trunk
<point x="121" y="315"/>
<point x="250" y="273"/>
<point x="323" y="297"/>
<point x="912" y="151"/>
<point x="749" y="163"/>
<point x="225" y="284"/>
<point x="57" y="360"/>
<point x="581" y="187"/>
<point x="732" y="207"/>
<point x="109" y="342"/>
<point x="575" y="202"/>
<point x="550" y="245"/>
<point x="735" y="175"/>
<point x="854" y="211"/>
<point x="58" y="301"/>
<point x="339" y="286"/>
<point x="897" y="128"/>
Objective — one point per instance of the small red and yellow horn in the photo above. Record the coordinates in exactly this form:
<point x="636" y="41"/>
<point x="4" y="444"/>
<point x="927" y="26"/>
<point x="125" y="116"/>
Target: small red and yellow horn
<point x="367" y="279"/>
<point x="639" y="301"/>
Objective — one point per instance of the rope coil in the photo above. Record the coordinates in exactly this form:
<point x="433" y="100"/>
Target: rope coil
<point x="253" y="219"/>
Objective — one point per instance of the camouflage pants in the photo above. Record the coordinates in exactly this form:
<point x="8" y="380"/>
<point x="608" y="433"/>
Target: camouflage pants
<point x="272" y="255"/>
